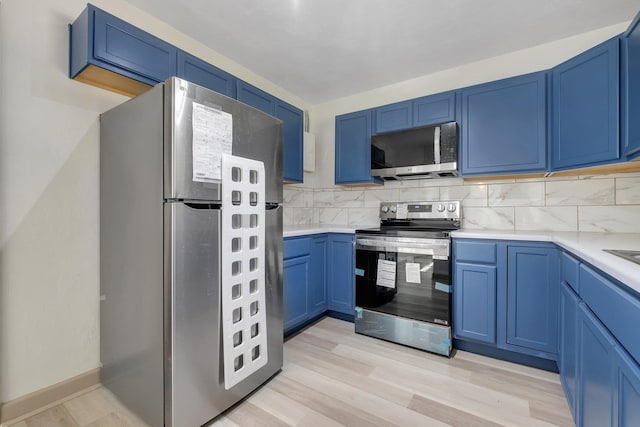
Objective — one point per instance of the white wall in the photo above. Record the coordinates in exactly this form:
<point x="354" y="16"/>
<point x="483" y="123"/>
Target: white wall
<point x="49" y="133"/>
<point x="521" y="62"/>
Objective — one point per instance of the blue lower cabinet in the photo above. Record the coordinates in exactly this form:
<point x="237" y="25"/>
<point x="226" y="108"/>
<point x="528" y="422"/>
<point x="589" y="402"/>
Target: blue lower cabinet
<point x="595" y="372"/>
<point x="627" y="392"/>
<point x="317" y="294"/>
<point x="474" y="292"/>
<point x="340" y="280"/>
<point x="204" y="74"/>
<point x="318" y="276"/>
<point x="532" y="297"/>
<point x="296" y="283"/>
<point x="505" y="299"/>
<point x="568" y="345"/>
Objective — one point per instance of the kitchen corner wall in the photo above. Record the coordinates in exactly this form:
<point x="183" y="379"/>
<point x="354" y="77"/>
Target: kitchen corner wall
<point x="582" y="203"/>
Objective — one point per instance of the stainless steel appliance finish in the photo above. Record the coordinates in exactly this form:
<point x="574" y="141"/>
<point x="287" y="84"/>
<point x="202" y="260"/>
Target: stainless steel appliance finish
<point x="160" y="341"/>
<point x="413" y="333"/>
<point x="633" y="256"/>
<point x="403" y="275"/>
<point x="427" y="152"/>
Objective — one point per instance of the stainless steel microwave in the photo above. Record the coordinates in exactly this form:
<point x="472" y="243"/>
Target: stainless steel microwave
<point x="427" y="152"/>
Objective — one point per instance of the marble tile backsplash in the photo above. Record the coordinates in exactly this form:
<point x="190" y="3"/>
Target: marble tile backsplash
<point x="584" y="203"/>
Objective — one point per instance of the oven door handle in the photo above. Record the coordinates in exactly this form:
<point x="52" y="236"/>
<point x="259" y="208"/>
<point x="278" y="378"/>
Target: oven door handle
<point x="438" y="251"/>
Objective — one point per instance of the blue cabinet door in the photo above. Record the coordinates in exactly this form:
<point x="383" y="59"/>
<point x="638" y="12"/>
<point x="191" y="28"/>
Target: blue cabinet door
<point x="255" y="97"/>
<point x="296" y="282"/>
<point x="627" y="393"/>
<point x="340" y="273"/>
<point x="474" y="302"/>
<point x="503" y="126"/>
<point x="292" y="148"/>
<point x="585" y="108"/>
<point x="317" y="293"/>
<point x="353" y="148"/>
<point x="129" y="48"/>
<point x="631" y="89"/>
<point x="434" y="109"/>
<point x="532" y="297"/>
<point x="204" y="74"/>
<point x="393" y="117"/>
<point x="595" y="371"/>
<point x="109" y="53"/>
<point x="568" y="345"/>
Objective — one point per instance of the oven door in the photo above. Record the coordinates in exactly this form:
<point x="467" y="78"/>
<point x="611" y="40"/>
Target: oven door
<point x="405" y="277"/>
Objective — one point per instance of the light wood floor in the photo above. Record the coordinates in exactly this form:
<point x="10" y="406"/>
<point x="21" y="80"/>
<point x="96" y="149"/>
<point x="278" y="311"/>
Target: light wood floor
<point x="333" y="377"/>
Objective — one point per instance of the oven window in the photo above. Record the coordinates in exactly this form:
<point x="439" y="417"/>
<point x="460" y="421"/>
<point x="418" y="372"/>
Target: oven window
<point x="407" y="285"/>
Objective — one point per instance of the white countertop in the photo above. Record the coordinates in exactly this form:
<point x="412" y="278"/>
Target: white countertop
<point x="588" y="246"/>
<point x="302" y="230"/>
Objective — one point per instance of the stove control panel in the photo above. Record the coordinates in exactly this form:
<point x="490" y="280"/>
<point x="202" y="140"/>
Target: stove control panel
<point x="420" y="210"/>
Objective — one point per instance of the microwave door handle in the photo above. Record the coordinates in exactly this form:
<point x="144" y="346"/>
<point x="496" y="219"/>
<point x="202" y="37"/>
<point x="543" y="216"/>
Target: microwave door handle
<point x="436" y="145"/>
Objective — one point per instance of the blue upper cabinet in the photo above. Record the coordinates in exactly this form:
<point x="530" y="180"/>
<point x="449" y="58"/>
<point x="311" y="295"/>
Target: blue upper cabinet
<point x="204" y="74"/>
<point x="425" y="111"/>
<point x="393" y="117"/>
<point x="293" y="149"/>
<point x="585" y="108"/>
<point x="292" y="145"/>
<point x="353" y="148"/>
<point x="503" y="126"/>
<point x="101" y="45"/>
<point x="255" y="97"/>
<point x="434" y="109"/>
<point x="631" y="89"/>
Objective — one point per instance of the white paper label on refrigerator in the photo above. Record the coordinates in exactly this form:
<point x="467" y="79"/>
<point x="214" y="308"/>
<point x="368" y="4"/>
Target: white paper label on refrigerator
<point x="386" y="273"/>
<point x="212" y="137"/>
<point x="412" y="272"/>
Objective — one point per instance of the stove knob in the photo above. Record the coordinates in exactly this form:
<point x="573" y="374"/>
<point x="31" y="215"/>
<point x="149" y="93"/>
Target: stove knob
<point x="451" y="207"/>
<point x="441" y="207"/>
<point x="384" y="209"/>
<point x="393" y="209"/>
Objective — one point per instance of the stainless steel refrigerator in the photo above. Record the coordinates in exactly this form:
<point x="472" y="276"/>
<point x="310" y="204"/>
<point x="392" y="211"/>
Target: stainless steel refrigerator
<point x="165" y="246"/>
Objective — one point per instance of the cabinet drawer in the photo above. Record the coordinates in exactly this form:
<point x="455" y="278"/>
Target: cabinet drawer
<point x="569" y="267"/>
<point x="297" y="246"/>
<point x="475" y="251"/>
<point x="617" y="309"/>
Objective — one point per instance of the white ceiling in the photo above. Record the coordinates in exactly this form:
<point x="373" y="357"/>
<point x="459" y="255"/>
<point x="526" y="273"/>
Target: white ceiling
<point x="325" y="49"/>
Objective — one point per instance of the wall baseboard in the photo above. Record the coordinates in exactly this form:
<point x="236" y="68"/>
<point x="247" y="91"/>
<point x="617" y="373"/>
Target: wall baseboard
<point x="40" y="398"/>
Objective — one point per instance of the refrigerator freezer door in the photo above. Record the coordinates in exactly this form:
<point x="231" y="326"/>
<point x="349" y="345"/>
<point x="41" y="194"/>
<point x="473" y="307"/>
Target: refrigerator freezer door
<point x="192" y="284"/>
<point x="255" y="135"/>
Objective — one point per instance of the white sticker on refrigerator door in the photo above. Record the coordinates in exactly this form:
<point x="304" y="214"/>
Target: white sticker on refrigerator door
<point x="212" y="137"/>
<point x="386" y="273"/>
